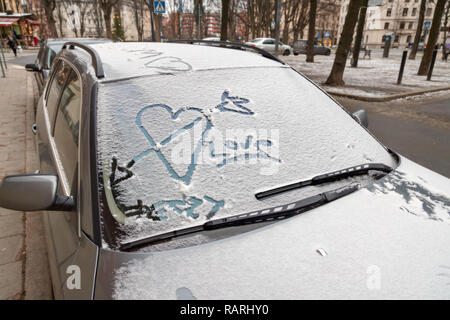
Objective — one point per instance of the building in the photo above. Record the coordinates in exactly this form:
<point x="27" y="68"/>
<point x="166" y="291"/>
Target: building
<point x="18" y="19"/>
<point x="395" y="18"/>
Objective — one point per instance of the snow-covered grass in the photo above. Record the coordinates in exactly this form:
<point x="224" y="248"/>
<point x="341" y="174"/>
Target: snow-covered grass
<point x="376" y="76"/>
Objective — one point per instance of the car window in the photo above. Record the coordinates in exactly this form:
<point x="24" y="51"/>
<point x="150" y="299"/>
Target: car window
<point x="255" y="40"/>
<point x="269" y="42"/>
<point x="177" y="160"/>
<point x="67" y="126"/>
<point x="54" y="89"/>
<point x="40" y="56"/>
<point x="52" y="52"/>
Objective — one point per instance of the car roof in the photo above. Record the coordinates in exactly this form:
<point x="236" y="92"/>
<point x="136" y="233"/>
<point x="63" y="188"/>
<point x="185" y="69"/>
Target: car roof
<point x="57" y="41"/>
<point x="122" y="60"/>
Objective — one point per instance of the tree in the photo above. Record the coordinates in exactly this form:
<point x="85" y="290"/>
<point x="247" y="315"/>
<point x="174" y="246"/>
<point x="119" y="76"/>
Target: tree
<point x="117" y="28"/>
<point x="359" y="33"/>
<point x="49" y="6"/>
<point x="107" y="6"/>
<point x="311" y="31"/>
<point x="137" y="7"/>
<point x="432" y="38"/>
<point x="444" y="40"/>
<point x="423" y="5"/>
<point x="337" y="71"/>
<point x="224" y="22"/>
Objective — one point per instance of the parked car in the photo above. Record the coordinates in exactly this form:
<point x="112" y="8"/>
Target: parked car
<point x="47" y="52"/>
<point x="300" y="46"/>
<point x="268" y="44"/>
<point x="177" y="171"/>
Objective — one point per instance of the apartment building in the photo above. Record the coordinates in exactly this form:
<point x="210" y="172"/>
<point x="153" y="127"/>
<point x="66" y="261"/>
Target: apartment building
<point x="395" y="18"/>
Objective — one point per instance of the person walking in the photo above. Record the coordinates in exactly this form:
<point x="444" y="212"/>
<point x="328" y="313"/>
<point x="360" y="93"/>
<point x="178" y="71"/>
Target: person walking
<point x="12" y="44"/>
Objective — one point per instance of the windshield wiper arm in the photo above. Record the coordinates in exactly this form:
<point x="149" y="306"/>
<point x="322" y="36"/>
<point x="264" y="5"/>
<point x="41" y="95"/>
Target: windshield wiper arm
<point x="270" y="214"/>
<point x="327" y="177"/>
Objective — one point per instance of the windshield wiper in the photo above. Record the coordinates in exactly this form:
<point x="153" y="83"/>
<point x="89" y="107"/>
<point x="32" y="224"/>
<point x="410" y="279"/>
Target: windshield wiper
<point x="327" y="177"/>
<point x="268" y="214"/>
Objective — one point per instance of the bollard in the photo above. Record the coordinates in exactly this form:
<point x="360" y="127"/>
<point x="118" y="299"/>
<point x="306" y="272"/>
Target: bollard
<point x="402" y="67"/>
<point x="387" y="45"/>
<point x="433" y="60"/>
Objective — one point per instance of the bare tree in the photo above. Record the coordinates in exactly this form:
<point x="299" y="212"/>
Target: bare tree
<point x="359" y="32"/>
<point x="337" y="71"/>
<point x="432" y="38"/>
<point x="49" y="7"/>
<point x="107" y="6"/>
<point x="137" y="7"/>
<point x="224" y="22"/>
<point x="444" y="40"/>
<point x="311" y="31"/>
<point x="423" y="5"/>
<point x="97" y="17"/>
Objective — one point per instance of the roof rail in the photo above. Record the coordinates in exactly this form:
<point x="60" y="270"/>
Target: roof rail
<point x="96" y="61"/>
<point x="231" y="45"/>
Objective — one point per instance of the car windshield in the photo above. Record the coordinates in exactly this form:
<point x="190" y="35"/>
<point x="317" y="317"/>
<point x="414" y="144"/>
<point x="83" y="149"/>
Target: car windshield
<point x="255" y="40"/>
<point x="53" y="50"/>
<point x="178" y="150"/>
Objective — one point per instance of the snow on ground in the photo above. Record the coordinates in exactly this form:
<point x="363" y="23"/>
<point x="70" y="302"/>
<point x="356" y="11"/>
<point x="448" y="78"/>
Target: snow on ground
<point x="376" y="76"/>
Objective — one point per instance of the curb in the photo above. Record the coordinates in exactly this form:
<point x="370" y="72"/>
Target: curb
<point x="385" y="98"/>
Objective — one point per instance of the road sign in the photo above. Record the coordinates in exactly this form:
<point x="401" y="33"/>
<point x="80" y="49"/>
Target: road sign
<point x="427" y="24"/>
<point x="180" y="6"/>
<point x="326" y="34"/>
<point x="159" y="6"/>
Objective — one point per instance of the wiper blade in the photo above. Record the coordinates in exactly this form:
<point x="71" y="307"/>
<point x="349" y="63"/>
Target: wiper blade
<point x="270" y="214"/>
<point x="327" y="177"/>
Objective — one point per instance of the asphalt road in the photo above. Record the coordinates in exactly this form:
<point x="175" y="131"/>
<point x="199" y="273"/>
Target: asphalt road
<point x="417" y="129"/>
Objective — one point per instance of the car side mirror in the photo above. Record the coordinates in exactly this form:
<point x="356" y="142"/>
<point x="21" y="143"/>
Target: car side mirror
<point x="33" y="192"/>
<point x="32" y="67"/>
<point x="362" y="117"/>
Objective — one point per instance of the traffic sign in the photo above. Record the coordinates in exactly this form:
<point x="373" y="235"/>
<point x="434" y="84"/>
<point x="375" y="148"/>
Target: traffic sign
<point x="326" y="34"/>
<point x="159" y="6"/>
<point x="180" y="6"/>
<point x="427" y="24"/>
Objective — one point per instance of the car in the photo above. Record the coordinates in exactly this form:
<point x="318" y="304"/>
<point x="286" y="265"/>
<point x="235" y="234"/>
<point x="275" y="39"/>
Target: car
<point x="167" y="175"/>
<point x="300" y="46"/>
<point x="268" y="44"/>
<point x="47" y="52"/>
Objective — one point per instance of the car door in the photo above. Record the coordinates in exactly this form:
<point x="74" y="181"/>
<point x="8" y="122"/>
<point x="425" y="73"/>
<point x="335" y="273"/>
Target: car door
<point x="40" y="76"/>
<point x="58" y="128"/>
<point x="269" y="45"/>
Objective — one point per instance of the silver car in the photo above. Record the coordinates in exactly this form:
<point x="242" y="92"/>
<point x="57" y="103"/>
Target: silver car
<point x="176" y="171"/>
<point x="268" y="44"/>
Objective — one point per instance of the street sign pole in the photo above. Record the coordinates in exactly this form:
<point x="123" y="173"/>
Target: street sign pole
<point x="433" y="60"/>
<point x="387" y="45"/>
<point x="277" y="25"/>
<point x="402" y="67"/>
<point x="2" y="61"/>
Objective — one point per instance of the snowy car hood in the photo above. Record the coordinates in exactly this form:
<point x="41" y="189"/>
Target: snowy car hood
<point x="386" y="241"/>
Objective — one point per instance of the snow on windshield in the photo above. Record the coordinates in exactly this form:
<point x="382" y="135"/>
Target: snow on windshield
<point x="178" y="150"/>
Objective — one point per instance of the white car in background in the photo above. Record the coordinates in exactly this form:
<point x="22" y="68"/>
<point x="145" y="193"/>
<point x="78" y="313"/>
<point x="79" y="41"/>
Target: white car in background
<point x="268" y="44"/>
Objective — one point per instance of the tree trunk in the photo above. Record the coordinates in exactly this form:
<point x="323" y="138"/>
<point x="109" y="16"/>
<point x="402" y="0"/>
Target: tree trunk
<point x="107" y="18"/>
<point x="444" y="41"/>
<point x="49" y="7"/>
<point x="423" y="5"/>
<point x="224" y="23"/>
<point x="432" y="38"/>
<point x="311" y="31"/>
<point x="359" y="33"/>
<point x="337" y="71"/>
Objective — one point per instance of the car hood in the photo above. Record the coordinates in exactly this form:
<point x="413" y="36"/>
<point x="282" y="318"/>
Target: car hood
<point x="386" y="241"/>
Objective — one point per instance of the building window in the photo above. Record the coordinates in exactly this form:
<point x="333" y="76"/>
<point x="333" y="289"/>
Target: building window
<point x="410" y="25"/>
<point x="386" y="25"/>
<point x="406" y="1"/>
<point x="429" y="12"/>
<point x="405" y="12"/>
<point x="414" y="12"/>
<point x="397" y="38"/>
<point x="388" y="12"/>
<point x="408" y="39"/>
<point x="402" y="25"/>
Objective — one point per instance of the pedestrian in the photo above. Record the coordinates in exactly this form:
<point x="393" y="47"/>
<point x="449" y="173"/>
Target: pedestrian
<point x="12" y="44"/>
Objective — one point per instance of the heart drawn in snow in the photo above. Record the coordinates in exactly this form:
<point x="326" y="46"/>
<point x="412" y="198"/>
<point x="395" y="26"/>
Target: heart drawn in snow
<point x="161" y="134"/>
<point x="169" y="64"/>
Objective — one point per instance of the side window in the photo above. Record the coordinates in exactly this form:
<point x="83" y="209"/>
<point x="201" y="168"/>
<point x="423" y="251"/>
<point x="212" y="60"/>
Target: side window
<point x="54" y="90"/>
<point x="269" y="42"/>
<point x="67" y="126"/>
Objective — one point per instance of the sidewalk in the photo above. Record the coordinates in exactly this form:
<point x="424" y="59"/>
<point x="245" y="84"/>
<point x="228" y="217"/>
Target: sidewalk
<point x="375" y="79"/>
<point x="24" y="271"/>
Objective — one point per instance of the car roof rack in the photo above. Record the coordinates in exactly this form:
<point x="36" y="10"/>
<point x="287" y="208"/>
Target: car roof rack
<point x="231" y="45"/>
<point x="96" y="61"/>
